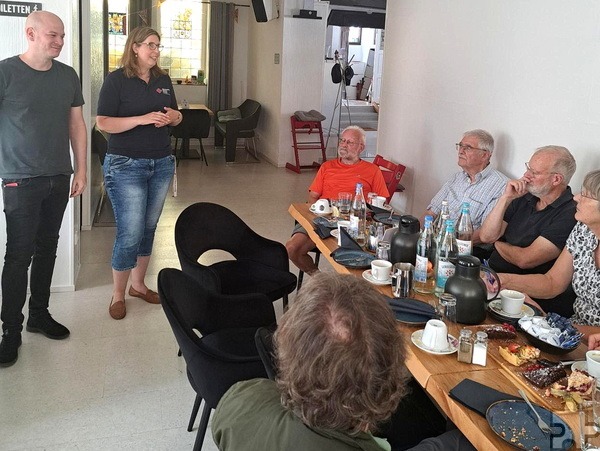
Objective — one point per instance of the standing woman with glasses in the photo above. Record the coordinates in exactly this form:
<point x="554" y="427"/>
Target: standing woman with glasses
<point x="136" y="107"/>
<point x="579" y="263"/>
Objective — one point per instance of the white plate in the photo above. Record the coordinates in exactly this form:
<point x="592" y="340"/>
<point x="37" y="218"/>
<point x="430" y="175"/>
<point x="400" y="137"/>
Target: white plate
<point x="335" y="233"/>
<point x="496" y="306"/>
<point x="452" y="344"/>
<point x="369" y="278"/>
<point x="581" y="366"/>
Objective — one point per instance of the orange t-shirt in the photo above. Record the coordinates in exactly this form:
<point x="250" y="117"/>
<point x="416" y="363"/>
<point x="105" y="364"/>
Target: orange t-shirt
<point x="334" y="177"/>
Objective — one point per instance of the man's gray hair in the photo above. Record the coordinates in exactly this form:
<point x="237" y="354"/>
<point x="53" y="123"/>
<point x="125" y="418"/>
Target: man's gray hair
<point x="564" y="162"/>
<point x="359" y="130"/>
<point x="485" y="139"/>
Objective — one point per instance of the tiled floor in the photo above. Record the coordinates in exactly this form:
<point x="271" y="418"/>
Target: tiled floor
<point x="115" y="385"/>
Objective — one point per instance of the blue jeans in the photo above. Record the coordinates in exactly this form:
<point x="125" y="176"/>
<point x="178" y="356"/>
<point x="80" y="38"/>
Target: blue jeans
<point x="34" y="209"/>
<point x="137" y="188"/>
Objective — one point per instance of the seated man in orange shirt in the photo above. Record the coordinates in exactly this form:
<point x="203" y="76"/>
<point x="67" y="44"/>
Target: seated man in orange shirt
<point x="334" y="177"/>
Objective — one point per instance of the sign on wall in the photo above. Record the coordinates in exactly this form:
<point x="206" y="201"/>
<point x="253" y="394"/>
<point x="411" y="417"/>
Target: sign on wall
<point x="18" y="9"/>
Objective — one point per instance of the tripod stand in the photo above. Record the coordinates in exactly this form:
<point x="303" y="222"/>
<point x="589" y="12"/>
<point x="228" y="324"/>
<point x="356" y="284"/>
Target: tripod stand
<point x="339" y="100"/>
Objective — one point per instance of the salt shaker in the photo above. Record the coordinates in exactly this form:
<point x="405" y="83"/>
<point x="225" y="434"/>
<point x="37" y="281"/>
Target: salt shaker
<point x="480" y="349"/>
<point x="465" y="346"/>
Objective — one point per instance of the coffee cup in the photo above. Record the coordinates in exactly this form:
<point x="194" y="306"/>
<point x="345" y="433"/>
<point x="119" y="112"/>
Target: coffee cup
<point x="381" y="270"/>
<point x="592" y="359"/>
<point x="342" y="224"/>
<point x="435" y="335"/>
<point x="379" y="201"/>
<point x="321" y="207"/>
<point x="511" y="301"/>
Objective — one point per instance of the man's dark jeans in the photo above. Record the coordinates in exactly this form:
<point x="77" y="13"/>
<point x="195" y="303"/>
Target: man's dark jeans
<point x="34" y="209"/>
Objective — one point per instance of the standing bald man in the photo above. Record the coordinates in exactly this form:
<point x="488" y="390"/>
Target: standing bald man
<point x="40" y="114"/>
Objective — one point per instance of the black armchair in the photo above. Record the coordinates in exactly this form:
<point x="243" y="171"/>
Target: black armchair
<point x="226" y="352"/>
<point x="195" y="124"/>
<point x="237" y="128"/>
<point x="261" y="265"/>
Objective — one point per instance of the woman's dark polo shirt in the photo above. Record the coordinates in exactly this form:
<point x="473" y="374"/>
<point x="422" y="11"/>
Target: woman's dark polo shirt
<point x="126" y="97"/>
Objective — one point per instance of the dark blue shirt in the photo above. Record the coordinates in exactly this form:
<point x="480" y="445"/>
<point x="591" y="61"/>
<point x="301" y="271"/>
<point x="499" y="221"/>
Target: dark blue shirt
<point x="524" y="225"/>
<point x="125" y="97"/>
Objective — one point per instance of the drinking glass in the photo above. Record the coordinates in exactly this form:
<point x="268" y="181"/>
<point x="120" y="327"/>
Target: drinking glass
<point x="589" y="419"/>
<point x="447" y="310"/>
<point x="344" y="202"/>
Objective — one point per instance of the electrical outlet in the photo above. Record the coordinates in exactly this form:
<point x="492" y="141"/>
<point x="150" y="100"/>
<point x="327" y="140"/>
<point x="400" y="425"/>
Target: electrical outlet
<point x="276" y="58"/>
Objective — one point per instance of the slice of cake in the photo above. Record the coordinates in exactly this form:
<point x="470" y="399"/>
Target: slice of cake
<point x="500" y="331"/>
<point x="543" y="377"/>
<point x="517" y="354"/>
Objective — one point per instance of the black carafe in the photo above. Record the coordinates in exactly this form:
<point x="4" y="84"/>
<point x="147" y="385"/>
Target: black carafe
<point x="468" y="288"/>
<point x="403" y="247"/>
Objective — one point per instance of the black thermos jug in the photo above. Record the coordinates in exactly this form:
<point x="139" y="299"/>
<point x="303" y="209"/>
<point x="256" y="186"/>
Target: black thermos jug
<point x="403" y="247"/>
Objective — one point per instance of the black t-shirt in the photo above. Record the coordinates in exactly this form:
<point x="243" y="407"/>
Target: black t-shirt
<point x="126" y="97"/>
<point x="525" y="224"/>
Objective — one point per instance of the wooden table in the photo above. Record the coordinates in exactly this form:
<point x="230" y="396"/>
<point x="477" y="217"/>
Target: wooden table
<point x="438" y="374"/>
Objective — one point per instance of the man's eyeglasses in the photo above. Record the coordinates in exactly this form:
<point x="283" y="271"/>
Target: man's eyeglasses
<point x="536" y="173"/>
<point x="153" y="46"/>
<point x="467" y="148"/>
<point x="586" y="194"/>
<point x="347" y="142"/>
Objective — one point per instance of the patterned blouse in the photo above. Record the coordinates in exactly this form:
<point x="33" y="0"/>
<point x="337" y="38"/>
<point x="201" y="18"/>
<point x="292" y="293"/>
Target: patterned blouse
<point x="586" y="276"/>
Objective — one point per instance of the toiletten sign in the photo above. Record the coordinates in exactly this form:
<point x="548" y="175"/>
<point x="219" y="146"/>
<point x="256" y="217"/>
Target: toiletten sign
<point x="18" y="9"/>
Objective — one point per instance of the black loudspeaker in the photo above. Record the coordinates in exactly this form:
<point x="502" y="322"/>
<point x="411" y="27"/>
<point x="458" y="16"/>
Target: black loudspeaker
<point x="263" y="10"/>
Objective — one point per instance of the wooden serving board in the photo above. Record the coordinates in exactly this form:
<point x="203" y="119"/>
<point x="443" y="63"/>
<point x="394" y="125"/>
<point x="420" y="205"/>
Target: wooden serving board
<point x="515" y="372"/>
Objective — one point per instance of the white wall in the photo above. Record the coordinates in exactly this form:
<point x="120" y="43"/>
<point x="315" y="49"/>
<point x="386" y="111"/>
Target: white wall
<point x="14" y="43"/>
<point x="529" y="72"/>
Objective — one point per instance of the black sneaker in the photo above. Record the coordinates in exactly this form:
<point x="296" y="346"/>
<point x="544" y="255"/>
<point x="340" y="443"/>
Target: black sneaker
<point x="9" y="348"/>
<point x="46" y="325"/>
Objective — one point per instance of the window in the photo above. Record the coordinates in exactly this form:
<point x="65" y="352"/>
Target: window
<point x="183" y="26"/>
<point x="354" y="35"/>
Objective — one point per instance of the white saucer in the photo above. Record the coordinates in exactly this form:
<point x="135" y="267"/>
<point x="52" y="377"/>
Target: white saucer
<point x="452" y="344"/>
<point x="369" y="278"/>
<point x="496" y="306"/>
<point x="581" y="366"/>
<point x="335" y="233"/>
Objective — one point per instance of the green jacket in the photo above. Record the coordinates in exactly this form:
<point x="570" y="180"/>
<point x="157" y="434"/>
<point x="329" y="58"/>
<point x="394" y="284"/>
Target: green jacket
<point x="250" y="417"/>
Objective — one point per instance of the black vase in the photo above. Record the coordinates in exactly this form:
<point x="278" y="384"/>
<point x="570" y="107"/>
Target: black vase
<point x="403" y="248"/>
<point x="470" y="291"/>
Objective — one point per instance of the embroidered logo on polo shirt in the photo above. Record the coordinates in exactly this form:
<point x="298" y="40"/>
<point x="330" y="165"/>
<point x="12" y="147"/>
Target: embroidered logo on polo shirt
<point x="165" y="91"/>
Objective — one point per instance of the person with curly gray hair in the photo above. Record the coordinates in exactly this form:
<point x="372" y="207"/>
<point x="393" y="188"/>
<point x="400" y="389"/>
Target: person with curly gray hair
<point x="341" y="374"/>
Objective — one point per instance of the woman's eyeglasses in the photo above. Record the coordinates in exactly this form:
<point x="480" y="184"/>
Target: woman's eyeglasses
<point x="153" y="46"/>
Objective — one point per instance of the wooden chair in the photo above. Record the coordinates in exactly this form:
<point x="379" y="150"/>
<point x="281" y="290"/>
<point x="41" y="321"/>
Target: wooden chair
<point x="392" y="173"/>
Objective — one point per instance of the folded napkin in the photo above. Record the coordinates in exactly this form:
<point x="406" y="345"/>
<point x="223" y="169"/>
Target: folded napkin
<point x="411" y="306"/>
<point x="476" y="396"/>
<point x="322" y="231"/>
<point x="347" y="241"/>
<point x="327" y="222"/>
